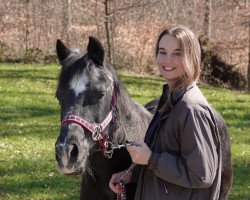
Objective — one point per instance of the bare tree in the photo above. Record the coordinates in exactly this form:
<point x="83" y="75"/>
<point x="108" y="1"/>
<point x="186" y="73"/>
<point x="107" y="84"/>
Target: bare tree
<point x="208" y="19"/>
<point x="68" y="21"/>
<point x="127" y="28"/>
<point x="111" y="10"/>
<point x="248" y="68"/>
<point x="27" y="31"/>
<point x="108" y="28"/>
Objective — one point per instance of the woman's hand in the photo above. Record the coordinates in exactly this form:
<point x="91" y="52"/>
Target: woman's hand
<point x="115" y="178"/>
<point x="139" y="153"/>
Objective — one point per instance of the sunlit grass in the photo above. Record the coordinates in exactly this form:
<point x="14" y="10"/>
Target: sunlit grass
<point x="29" y="126"/>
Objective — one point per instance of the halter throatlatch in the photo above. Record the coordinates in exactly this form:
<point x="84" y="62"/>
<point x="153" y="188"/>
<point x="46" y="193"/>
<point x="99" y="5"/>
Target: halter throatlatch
<point x="98" y="132"/>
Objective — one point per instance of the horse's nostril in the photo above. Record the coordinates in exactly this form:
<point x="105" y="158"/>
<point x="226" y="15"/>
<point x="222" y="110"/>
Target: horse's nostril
<point x="73" y="153"/>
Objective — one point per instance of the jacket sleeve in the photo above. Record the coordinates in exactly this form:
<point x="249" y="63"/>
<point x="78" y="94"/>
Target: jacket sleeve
<point x="196" y="167"/>
<point x="135" y="174"/>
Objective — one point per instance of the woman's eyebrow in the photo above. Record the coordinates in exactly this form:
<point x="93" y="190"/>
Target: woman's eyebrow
<point x="161" y="48"/>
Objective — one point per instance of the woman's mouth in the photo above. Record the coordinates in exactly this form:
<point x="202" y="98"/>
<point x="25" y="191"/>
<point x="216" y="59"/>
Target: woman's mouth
<point x="168" y="68"/>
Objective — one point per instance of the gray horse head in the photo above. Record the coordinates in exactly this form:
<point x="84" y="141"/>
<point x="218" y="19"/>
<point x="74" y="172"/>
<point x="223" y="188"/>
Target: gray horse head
<point x="85" y="90"/>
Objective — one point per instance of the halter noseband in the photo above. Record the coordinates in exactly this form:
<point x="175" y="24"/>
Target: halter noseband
<point x="97" y="131"/>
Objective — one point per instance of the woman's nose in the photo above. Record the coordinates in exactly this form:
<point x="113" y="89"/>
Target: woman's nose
<point x="168" y="58"/>
<point x="163" y="60"/>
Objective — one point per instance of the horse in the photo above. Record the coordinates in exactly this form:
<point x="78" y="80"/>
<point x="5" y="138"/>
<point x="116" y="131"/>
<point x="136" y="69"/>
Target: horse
<point x="97" y="114"/>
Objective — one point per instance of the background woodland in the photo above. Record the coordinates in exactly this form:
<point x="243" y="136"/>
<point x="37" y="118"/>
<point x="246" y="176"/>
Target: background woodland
<point x="128" y="30"/>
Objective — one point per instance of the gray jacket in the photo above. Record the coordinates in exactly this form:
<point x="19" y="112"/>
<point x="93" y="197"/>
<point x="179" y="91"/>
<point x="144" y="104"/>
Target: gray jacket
<point x="186" y="162"/>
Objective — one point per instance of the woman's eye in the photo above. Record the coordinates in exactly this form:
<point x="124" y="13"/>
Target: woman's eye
<point x="177" y="54"/>
<point x="162" y="52"/>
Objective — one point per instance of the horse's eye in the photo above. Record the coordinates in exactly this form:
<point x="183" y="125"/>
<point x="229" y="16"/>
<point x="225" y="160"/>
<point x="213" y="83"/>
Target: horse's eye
<point x="100" y="95"/>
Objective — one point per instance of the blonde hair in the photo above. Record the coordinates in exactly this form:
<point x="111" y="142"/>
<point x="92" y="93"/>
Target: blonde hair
<point x="190" y="47"/>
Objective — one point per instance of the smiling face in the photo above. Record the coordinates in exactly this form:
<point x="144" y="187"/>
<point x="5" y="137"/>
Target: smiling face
<point x="169" y="59"/>
<point x="178" y="56"/>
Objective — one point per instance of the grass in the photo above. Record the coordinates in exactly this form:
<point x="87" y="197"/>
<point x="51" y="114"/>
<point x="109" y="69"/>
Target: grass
<point x="29" y="126"/>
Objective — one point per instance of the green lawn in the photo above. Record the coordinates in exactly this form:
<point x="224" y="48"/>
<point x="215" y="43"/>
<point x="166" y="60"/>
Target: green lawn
<point x="29" y="126"/>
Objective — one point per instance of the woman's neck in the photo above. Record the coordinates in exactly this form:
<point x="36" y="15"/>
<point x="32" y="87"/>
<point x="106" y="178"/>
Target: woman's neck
<point x="171" y="86"/>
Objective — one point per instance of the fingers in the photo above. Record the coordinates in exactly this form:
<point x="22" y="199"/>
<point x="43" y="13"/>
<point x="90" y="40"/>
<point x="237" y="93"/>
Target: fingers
<point x="136" y="148"/>
<point x="137" y="144"/>
<point x="113" y="183"/>
<point x="140" y="153"/>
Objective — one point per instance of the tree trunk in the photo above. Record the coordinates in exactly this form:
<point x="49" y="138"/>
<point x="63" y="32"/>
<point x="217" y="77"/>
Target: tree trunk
<point x="208" y="19"/>
<point x="68" y="22"/>
<point x="108" y="30"/>
<point x="27" y="27"/>
<point x="248" y="69"/>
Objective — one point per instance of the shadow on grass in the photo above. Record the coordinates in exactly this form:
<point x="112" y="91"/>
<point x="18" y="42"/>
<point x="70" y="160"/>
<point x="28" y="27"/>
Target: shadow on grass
<point x="231" y="116"/>
<point x="30" y="120"/>
<point x="31" y="94"/>
<point x="42" y="177"/>
<point x="31" y="74"/>
<point x="33" y="177"/>
<point x="137" y="96"/>
<point x="38" y="131"/>
<point x="142" y="79"/>
<point x="240" y="181"/>
<point x="23" y="112"/>
<point x="138" y="82"/>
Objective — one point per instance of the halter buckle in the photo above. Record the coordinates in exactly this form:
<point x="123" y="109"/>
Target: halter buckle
<point x="97" y="133"/>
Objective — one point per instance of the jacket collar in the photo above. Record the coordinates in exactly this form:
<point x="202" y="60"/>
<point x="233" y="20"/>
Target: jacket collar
<point x="171" y="99"/>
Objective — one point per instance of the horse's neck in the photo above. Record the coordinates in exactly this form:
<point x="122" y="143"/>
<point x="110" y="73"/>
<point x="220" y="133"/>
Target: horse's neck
<point x="133" y="118"/>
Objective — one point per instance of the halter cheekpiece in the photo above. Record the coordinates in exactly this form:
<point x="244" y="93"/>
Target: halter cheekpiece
<point x="97" y="131"/>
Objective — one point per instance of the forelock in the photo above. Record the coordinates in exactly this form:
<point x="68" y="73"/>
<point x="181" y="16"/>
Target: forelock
<point x="73" y="64"/>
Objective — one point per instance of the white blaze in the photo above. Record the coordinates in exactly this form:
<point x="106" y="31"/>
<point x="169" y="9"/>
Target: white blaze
<point x="78" y="83"/>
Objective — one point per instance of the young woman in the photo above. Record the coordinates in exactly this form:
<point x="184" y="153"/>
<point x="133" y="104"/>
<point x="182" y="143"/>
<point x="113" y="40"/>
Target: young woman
<point x="181" y="158"/>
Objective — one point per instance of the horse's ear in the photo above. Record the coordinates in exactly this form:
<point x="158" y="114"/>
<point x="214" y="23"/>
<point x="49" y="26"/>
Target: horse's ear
<point x="61" y="50"/>
<point x="95" y="50"/>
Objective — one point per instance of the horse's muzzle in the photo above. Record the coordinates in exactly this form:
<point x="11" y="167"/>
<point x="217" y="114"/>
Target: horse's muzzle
<point x="67" y="156"/>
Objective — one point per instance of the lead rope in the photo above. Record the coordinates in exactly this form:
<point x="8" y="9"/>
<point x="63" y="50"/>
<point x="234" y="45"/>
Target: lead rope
<point x="120" y="183"/>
